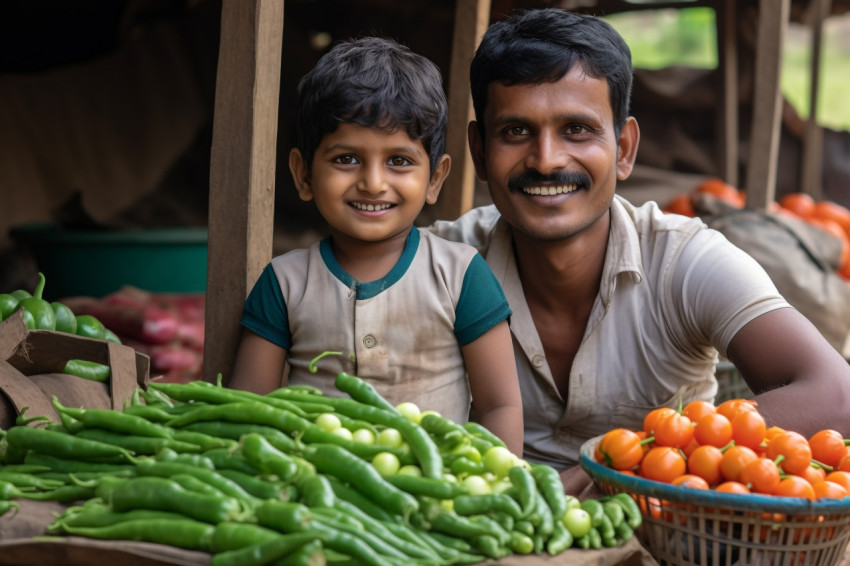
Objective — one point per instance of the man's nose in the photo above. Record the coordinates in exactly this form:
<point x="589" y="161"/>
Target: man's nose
<point x="548" y="154"/>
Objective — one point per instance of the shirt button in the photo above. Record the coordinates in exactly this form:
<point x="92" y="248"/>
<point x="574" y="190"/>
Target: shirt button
<point x="369" y="341"/>
<point x="537" y="360"/>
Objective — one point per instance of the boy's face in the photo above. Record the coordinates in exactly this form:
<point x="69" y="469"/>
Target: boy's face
<point x="369" y="184"/>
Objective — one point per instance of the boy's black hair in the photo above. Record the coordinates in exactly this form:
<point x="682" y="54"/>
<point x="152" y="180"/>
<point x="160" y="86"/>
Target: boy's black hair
<point x="542" y="45"/>
<point x="377" y="83"/>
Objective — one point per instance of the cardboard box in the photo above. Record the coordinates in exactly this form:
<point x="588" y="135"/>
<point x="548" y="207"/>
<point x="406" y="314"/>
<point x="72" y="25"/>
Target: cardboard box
<point x="31" y="366"/>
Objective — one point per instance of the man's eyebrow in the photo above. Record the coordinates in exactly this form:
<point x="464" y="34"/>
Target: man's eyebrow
<point x="580" y="117"/>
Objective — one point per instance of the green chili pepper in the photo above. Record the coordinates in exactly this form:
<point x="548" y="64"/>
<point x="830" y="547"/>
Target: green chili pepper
<point x="489" y="547"/>
<point x="90" y="327"/>
<point x="232" y="535"/>
<point x="464" y="466"/>
<point x="361" y="391"/>
<point x="317" y="490"/>
<point x="624" y="532"/>
<point x="594" y="509"/>
<point x="69" y="465"/>
<point x="451" y="523"/>
<point x="257" y="487"/>
<point x="235" y="431"/>
<point x="346" y="493"/>
<point x="63" y="445"/>
<point x="66" y="321"/>
<point x="163" y="494"/>
<point x="337" y="461"/>
<point x="550" y="486"/>
<point x="560" y="540"/>
<point x="20" y="480"/>
<point x="606" y="531"/>
<point x="308" y="554"/>
<point x="205" y="441"/>
<point x="260" y="453"/>
<point x="477" y="429"/>
<point x="335" y="521"/>
<point x="114" y="421"/>
<point x="595" y="538"/>
<point x="180" y="533"/>
<point x="614" y="512"/>
<point x="152" y="468"/>
<point x="40" y="309"/>
<point x="8" y="305"/>
<point x="92" y="515"/>
<point x="283" y="516"/>
<point x="520" y="543"/>
<point x="64" y="494"/>
<point x="192" y="483"/>
<point x="85" y="369"/>
<point x="633" y="515"/>
<point x="429" y="487"/>
<point x="526" y="488"/>
<point x="168" y="454"/>
<point x="479" y="504"/>
<point x="110" y="336"/>
<point x="202" y="391"/>
<point x="224" y="459"/>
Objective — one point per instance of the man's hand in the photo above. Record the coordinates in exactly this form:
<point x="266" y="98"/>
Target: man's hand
<point x="579" y="484"/>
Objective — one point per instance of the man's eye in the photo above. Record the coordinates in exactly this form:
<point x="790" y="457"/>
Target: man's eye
<point x="399" y="161"/>
<point x="345" y="160"/>
<point x="575" y="130"/>
<point x="517" y="131"/>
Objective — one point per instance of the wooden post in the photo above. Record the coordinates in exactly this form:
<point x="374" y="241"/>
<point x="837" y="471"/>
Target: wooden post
<point x="242" y="170"/>
<point x="811" y="179"/>
<point x="727" y="47"/>
<point x="767" y="107"/>
<point x="471" y="20"/>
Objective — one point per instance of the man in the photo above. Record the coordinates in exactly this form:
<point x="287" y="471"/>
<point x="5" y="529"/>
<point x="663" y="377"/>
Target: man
<point x="616" y="309"/>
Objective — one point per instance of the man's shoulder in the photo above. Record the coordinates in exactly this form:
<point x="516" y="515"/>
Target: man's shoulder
<point x="648" y="219"/>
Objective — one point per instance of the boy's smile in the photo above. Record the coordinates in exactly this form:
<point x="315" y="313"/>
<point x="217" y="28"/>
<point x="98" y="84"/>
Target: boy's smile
<point x="369" y="184"/>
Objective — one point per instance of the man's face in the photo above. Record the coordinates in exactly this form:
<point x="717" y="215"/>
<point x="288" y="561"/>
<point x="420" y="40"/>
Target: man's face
<point x="549" y="154"/>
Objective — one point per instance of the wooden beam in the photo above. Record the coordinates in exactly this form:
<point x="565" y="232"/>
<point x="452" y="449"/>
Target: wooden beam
<point x="767" y="104"/>
<point x="811" y="177"/>
<point x="727" y="48"/>
<point x="471" y="20"/>
<point x="242" y="169"/>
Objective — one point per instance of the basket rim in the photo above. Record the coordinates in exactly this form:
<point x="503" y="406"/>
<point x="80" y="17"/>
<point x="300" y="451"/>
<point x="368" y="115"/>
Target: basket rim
<point x="605" y="476"/>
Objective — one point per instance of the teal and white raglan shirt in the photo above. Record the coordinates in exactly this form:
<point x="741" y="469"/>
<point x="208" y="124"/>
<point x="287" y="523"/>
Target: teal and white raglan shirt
<point x="405" y="331"/>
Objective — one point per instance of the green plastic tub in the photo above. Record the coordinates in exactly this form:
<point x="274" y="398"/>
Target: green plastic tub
<point x="96" y="263"/>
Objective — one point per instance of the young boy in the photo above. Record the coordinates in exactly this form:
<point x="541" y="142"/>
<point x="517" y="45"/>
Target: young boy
<point x="418" y="314"/>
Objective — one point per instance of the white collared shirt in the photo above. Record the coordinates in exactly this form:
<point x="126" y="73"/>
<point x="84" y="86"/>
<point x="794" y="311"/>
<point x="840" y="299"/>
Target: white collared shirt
<point x="673" y="294"/>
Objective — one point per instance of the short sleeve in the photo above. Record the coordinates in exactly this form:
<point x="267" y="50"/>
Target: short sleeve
<point x="265" y="313"/>
<point x="482" y="304"/>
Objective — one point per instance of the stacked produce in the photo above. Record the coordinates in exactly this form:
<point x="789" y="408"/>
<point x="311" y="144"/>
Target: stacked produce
<point x="39" y="314"/>
<point x="729" y="448"/>
<point x="169" y="328"/>
<point x="300" y="476"/>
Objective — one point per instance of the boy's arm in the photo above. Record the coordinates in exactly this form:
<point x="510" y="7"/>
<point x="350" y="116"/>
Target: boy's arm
<point x="259" y="364"/>
<point x="494" y="385"/>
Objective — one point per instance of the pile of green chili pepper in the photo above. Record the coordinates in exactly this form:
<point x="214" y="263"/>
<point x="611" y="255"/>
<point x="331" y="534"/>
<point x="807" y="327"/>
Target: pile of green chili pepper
<point x="252" y="479"/>
<point x="40" y="314"/>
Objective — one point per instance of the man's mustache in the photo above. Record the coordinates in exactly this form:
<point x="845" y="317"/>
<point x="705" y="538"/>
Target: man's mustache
<point x="536" y="179"/>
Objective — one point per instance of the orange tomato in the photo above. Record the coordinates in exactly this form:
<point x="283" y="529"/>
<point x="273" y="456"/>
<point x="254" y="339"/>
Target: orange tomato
<point x="834" y="228"/>
<point x="813" y="474"/>
<point x="731" y="407"/>
<point x="619" y="449"/>
<point x="662" y="463"/>
<point x="714" y="429"/>
<point x="794" y="450"/>
<point x="681" y="204"/>
<point x="840" y="477"/>
<point x="794" y="486"/>
<point x="761" y="476"/>
<point x="690" y="480"/>
<point x="748" y="429"/>
<point x="828" y="447"/>
<point x="733" y="462"/>
<point x="732" y="487"/>
<point x="801" y="204"/>
<point x="829" y="210"/>
<point x="722" y="191"/>
<point x="653" y="417"/>
<point x="704" y="462"/>
<point x="827" y="488"/>
<point x="674" y="430"/>
<point x="695" y="410"/>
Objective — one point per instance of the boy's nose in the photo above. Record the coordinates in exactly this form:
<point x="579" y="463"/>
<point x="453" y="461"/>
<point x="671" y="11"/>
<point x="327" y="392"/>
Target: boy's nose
<point x="373" y="180"/>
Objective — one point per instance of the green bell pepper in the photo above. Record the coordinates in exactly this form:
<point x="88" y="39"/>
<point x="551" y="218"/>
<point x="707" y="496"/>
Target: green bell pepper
<point x="41" y="311"/>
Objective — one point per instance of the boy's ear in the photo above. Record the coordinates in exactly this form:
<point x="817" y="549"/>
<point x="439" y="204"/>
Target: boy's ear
<point x="300" y="174"/>
<point x="438" y="178"/>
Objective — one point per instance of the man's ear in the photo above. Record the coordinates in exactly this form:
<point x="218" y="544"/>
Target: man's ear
<point x="300" y="174"/>
<point x="476" y="149"/>
<point x="627" y="147"/>
<point x="441" y="172"/>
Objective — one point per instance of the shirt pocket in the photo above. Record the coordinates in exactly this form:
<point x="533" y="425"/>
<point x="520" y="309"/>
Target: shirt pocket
<point x="629" y="413"/>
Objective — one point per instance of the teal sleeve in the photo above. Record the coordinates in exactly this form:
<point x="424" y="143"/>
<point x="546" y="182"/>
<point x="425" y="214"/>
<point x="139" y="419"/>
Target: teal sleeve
<point x="482" y="303"/>
<point x="265" y="313"/>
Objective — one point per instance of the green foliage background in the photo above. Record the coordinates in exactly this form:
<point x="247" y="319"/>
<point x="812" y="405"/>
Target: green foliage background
<point x="688" y="37"/>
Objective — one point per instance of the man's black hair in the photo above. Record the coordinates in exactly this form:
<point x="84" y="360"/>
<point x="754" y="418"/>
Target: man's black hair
<point x="542" y="45"/>
<point x="377" y="83"/>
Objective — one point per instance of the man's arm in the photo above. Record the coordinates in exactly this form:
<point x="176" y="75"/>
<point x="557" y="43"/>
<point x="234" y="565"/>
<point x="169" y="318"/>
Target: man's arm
<point x="801" y="382"/>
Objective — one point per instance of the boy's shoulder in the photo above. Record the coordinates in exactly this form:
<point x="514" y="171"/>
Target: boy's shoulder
<point x="439" y="245"/>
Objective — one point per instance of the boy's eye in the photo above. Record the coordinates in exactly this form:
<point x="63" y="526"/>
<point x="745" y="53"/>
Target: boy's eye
<point x="399" y="161"/>
<point x="345" y="160"/>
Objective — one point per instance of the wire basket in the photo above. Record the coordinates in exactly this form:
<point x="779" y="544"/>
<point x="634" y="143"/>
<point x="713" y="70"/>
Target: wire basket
<point x="685" y="526"/>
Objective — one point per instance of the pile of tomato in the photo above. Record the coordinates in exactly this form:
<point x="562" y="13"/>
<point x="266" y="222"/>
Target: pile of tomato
<point x="827" y="215"/>
<point x="729" y="448"/>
